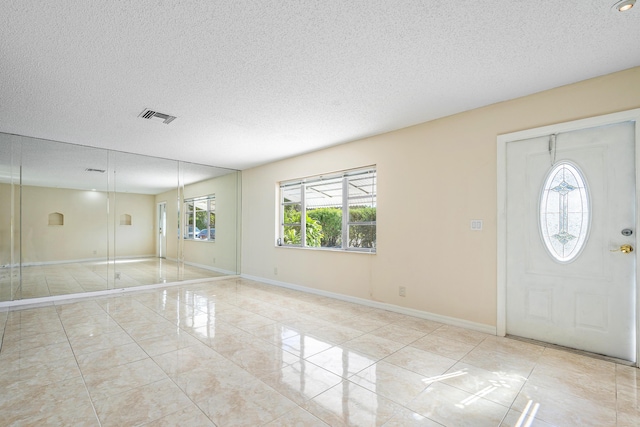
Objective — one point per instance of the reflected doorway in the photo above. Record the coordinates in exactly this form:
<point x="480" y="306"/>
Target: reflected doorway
<point x="162" y="230"/>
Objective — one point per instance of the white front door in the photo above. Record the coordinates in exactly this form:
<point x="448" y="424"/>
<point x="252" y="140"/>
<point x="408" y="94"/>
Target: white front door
<point x="570" y="207"/>
<point x="162" y="230"/>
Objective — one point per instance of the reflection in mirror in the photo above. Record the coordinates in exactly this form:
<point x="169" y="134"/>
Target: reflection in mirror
<point x="71" y="181"/>
<point x="9" y="221"/>
<point x="137" y="180"/>
<point x="118" y="219"/>
<point x="209" y="215"/>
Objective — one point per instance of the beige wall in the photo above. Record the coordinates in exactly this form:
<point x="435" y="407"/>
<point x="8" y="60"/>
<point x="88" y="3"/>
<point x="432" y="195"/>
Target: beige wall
<point x="137" y="239"/>
<point x="87" y="232"/>
<point x="433" y="179"/>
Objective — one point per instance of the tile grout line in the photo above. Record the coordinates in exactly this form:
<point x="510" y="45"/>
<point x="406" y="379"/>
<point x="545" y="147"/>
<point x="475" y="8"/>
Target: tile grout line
<point x="149" y="356"/>
<point x="159" y="367"/>
<point x="256" y="311"/>
<point x="95" y="412"/>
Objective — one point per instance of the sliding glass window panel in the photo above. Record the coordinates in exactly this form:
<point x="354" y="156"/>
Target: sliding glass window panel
<point x="190" y="219"/>
<point x="200" y="218"/>
<point x="323" y="206"/>
<point x="362" y="207"/>
<point x="291" y="210"/>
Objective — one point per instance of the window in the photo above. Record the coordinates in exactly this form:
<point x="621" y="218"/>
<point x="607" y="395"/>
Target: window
<point x="200" y="218"/>
<point x="564" y="212"/>
<point x="339" y="211"/>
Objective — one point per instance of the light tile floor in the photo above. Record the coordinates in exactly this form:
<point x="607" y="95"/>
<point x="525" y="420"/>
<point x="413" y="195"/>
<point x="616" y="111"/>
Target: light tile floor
<point x="232" y="352"/>
<point x="78" y="277"/>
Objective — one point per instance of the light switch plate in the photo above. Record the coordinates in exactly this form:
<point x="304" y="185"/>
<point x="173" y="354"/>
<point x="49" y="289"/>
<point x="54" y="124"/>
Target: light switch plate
<point x="476" y="224"/>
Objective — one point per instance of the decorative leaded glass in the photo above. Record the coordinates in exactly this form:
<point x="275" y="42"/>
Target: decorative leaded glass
<point x="564" y="212"/>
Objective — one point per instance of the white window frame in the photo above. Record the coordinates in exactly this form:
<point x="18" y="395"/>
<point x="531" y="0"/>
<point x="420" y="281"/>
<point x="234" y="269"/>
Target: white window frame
<point x="191" y="215"/>
<point x="346" y="177"/>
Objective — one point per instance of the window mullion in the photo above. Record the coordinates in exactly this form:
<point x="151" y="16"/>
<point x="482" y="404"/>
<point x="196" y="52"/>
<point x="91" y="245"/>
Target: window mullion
<point x="208" y="218"/>
<point x="282" y="207"/>
<point x="303" y="216"/>
<point x="193" y="234"/>
<point x="345" y="212"/>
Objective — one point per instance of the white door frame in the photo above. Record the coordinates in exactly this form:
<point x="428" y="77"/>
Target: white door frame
<point x="503" y="140"/>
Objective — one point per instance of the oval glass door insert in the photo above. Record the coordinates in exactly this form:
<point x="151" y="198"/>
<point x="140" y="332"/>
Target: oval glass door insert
<point x="564" y="212"/>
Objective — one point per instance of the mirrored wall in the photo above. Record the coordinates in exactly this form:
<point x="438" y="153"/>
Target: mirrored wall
<point x="76" y="219"/>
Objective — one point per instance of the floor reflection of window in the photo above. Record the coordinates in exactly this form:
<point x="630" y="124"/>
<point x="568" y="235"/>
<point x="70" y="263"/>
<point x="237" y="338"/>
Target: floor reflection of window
<point x="444" y="376"/>
<point x="528" y="415"/>
<point x="200" y="314"/>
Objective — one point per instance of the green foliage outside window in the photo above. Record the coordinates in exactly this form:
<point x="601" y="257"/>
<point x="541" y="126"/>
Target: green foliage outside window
<point x="324" y="227"/>
<point x="330" y="220"/>
<point x="201" y="220"/>
<point x="292" y="232"/>
<point x="362" y="236"/>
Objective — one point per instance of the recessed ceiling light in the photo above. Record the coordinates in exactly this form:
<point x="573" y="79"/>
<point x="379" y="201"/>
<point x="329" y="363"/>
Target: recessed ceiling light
<point x="623" y="5"/>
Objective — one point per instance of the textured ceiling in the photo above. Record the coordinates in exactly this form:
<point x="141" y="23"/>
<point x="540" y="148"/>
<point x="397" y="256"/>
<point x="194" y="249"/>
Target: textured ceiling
<point x="256" y="81"/>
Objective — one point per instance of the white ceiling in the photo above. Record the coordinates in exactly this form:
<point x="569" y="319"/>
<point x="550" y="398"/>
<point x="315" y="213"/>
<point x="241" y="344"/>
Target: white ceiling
<point x="256" y="81"/>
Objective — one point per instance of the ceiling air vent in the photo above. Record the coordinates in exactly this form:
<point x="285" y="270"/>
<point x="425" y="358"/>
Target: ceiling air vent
<point x="158" y="117"/>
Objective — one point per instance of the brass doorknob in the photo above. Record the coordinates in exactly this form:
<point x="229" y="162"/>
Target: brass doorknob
<point x="625" y="249"/>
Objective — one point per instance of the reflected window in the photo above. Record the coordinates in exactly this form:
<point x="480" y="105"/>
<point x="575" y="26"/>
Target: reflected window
<point x="564" y="212"/>
<point x="200" y="218"/>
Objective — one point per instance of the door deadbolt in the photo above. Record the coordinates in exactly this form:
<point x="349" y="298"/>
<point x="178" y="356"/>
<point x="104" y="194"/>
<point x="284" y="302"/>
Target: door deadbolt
<point x="627" y="232"/>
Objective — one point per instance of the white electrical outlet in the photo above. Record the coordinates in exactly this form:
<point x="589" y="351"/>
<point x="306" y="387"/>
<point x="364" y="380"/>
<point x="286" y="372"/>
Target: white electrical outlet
<point x="402" y="291"/>
<point x="214" y="260"/>
<point x="275" y="271"/>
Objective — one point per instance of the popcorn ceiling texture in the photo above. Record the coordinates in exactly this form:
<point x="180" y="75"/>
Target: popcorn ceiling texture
<point x="256" y="81"/>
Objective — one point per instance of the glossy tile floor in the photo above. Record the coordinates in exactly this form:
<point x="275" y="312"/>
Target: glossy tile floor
<point x="62" y="279"/>
<point x="232" y="352"/>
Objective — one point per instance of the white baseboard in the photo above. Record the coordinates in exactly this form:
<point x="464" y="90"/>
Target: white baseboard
<point x="72" y="261"/>
<point x="67" y="298"/>
<point x="210" y="268"/>
<point x="480" y="327"/>
<point x="206" y="267"/>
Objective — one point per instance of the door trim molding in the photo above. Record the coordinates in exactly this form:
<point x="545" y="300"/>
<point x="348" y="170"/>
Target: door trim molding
<point x="502" y="141"/>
